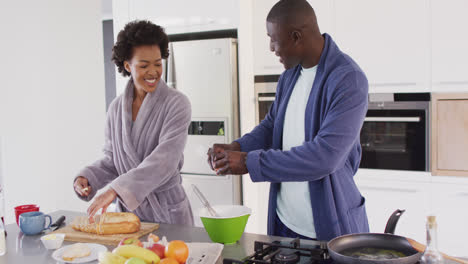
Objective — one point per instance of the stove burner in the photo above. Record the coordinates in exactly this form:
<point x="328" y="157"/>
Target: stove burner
<point x="286" y="256"/>
<point x="286" y="252"/>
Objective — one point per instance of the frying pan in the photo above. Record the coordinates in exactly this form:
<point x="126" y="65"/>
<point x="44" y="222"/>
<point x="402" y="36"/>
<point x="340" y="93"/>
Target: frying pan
<point x="411" y="248"/>
<point x="387" y="241"/>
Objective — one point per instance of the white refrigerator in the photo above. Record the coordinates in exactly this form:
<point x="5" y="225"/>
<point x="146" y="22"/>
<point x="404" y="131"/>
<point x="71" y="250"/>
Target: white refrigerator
<point x="206" y="71"/>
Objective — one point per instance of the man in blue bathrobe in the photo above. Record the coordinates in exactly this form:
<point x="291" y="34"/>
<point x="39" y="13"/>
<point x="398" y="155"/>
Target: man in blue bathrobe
<point x="307" y="146"/>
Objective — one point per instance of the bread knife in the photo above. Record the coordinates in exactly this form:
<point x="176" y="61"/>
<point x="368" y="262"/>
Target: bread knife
<point x="58" y="223"/>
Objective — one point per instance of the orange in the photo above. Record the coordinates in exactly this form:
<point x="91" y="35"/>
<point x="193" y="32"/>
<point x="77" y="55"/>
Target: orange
<point x="178" y="250"/>
<point x="154" y="237"/>
<point x="168" y="261"/>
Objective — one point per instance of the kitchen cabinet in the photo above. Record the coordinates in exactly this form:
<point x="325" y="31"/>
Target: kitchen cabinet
<point x="383" y="197"/>
<point x="195" y="16"/>
<point x="420" y="194"/>
<point x="449" y="45"/>
<point x="448" y="203"/>
<point x="265" y="61"/>
<point x="449" y="139"/>
<point x="389" y="41"/>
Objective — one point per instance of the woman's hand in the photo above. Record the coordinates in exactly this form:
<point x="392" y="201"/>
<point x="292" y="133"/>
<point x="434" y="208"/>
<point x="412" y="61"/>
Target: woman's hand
<point x="82" y="186"/>
<point x="101" y="202"/>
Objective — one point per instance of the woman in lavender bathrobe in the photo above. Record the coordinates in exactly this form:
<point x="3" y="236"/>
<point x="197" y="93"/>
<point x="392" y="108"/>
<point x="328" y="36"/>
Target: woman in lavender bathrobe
<point x="146" y="133"/>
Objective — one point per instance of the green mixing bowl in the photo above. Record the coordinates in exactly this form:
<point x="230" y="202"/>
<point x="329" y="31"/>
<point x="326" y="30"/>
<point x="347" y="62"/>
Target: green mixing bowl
<point x="229" y="226"/>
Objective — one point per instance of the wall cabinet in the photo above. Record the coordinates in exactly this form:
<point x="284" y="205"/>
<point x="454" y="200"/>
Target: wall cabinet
<point x="265" y="61"/>
<point x="388" y="41"/>
<point x="195" y="16"/>
<point x="449" y="134"/>
<point x="449" y="45"/>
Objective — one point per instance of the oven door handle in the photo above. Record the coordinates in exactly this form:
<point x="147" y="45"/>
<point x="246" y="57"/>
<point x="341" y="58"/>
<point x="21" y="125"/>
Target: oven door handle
<point x="393" y="119"/>
<point x="266" y="98"/>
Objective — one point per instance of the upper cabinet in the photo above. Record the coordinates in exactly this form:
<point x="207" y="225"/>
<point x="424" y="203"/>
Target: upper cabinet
<point x="181" y="16"/>
<point x="265" y="61"/>
<point x="388" y="39"/>
<point x="449" y="45"/>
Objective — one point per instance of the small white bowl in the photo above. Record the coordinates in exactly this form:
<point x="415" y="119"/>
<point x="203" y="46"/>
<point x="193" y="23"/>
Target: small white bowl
<point x="53" y="241"/>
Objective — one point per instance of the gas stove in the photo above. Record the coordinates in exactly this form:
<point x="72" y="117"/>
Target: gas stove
<point x="286" y="252"/>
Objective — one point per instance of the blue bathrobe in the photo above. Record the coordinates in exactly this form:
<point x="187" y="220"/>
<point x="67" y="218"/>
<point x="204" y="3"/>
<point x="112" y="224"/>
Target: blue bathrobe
<point x="330" y="155"/>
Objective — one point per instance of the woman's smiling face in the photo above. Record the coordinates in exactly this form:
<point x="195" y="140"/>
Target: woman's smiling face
<point x="145" y="66"/>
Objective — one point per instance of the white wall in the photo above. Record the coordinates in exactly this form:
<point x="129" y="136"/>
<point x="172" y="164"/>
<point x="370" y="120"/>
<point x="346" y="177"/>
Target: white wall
<point x="52" y="106"/>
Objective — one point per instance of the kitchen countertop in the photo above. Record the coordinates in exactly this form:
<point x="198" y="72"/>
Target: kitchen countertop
<point x="29" y="249"/>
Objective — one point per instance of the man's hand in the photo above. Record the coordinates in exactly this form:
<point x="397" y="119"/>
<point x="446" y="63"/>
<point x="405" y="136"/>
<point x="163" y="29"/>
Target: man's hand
<point x="230" y="162"/>
<point x="101" y="201"/>
<point x="218" y="148"/>
<point x="81" y="186"/>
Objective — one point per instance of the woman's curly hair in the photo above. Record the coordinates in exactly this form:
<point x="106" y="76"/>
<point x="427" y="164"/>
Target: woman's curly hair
<point x="138" y="33"/>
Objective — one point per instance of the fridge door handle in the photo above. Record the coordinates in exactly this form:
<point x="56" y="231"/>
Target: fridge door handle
<point x="171" y="76"/>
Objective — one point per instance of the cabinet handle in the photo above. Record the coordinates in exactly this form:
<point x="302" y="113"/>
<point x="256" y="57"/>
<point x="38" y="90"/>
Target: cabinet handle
<point x="392" y="119"/>
<point x="451" y="83"/>
<point x="392" y="84"/>
<point x="268" y="98"/>
<point x="388" y="189"/>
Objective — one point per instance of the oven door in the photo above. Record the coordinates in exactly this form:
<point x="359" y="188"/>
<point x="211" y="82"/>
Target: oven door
<point x="395" y="139"/>
<point x="264" y="102"/>
<point x="264" y="97"/>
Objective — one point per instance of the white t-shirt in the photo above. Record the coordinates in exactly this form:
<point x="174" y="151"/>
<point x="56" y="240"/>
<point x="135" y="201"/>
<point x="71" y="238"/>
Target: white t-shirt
<point x="294" y="208"/>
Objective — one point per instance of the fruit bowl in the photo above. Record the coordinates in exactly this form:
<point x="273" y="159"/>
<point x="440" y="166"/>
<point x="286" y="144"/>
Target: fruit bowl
<point x="229" y="226"/>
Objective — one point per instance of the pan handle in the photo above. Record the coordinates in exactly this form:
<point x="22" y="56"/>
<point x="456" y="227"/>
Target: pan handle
<point x="392" y="221"/>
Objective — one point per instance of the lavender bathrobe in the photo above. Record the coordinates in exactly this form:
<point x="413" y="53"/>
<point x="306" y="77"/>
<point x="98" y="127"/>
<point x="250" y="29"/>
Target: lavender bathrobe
<point x="142" y="159"/>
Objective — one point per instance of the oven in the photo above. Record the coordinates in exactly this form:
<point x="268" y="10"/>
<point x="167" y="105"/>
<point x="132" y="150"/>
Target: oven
<point x="395" y="134"/>
<point x="396" y="130"/>
<point x="265" y="90"/>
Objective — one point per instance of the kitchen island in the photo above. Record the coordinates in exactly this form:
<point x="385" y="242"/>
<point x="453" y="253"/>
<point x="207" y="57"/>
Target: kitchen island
<point x="29" y="249"/>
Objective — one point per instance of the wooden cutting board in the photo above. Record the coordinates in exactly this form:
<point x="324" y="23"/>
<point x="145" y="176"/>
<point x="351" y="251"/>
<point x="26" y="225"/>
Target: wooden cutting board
<point x="113" y="240"/>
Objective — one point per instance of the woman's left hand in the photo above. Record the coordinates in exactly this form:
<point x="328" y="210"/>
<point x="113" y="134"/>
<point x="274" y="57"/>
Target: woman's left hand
<point x="101" y="201"/>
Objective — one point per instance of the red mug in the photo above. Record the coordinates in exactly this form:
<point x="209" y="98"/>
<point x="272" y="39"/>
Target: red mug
<point x="23" y="209"/>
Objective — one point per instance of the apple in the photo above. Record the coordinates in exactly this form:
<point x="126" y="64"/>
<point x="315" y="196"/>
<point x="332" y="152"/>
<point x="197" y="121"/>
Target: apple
<point x="135" y="260"/>
<point x="158" y="249"/>
<point x="131" y="241"/>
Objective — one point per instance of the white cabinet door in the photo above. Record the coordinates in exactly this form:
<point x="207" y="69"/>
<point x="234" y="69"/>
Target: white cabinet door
<point x="388" y="39"/>
<point x="384" y="197"/>
<point x="181" y="16"/>
<point x="265" y="61"/>
<point x="449" y="204"/>
<point x="449" y="45"/>
<point x="445" y="197"/>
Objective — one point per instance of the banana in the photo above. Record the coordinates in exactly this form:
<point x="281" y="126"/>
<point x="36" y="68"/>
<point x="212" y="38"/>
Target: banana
<point x="128" y="251"/>
<point x="110" y="258"/>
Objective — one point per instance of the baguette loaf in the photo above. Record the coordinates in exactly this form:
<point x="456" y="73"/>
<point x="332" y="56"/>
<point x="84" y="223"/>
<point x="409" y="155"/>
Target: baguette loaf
<point x="108" y="224"/>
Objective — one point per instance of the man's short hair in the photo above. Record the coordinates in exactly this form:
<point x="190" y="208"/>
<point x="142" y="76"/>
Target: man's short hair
<point x="290" y="12"/>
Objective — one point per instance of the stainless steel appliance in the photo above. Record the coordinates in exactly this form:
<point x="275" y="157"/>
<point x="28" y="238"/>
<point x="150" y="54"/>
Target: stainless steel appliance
<point x="265" y="90"/>
<point x="396" y="131"/>
<point x="206" y="71"/>
<point x="395" y="134"/>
